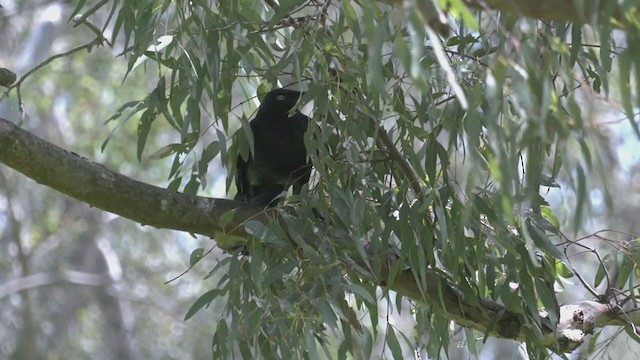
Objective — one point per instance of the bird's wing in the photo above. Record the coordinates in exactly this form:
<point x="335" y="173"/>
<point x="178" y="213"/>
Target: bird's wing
<point x="242" y="179"/>
<point x="301" y="178"/>
<point x="301" y="121"/>
<point x="301" y="175"/>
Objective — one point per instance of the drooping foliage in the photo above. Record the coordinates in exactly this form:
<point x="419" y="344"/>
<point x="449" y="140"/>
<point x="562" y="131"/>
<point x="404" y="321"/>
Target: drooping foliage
<point x="440" y="145"/>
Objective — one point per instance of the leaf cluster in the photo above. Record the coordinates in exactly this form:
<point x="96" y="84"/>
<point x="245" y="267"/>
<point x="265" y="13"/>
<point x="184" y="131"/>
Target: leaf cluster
<point x="438" y="148"/>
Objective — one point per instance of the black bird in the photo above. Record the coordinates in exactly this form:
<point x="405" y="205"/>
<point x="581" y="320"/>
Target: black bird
<point x="280" y="157"/>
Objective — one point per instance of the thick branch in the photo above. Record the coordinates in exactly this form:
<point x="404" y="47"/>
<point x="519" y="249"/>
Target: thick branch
<point x="573" y="11"/>
<point x="577" y="321"/>
<point x="97" y="186"/>
<point x="577" y="11"/>
<point x="542" y="9"/>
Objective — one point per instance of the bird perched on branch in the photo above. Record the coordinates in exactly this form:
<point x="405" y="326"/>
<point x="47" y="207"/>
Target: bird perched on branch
<point x="279" y="159"/>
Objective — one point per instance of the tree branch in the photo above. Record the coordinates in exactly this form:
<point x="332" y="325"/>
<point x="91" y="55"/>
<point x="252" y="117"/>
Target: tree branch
<point x="543" y="9"/>
<point x="577" y="12"/>
<point x="97" y="186"/>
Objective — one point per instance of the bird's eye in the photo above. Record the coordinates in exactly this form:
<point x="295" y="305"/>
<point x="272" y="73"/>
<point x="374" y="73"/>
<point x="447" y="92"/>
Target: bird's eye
<point x="280" y="97"/>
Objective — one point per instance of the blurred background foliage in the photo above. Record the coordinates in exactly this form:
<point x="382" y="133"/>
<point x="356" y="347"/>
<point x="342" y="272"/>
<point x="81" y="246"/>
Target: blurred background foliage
<point x="473" y="147"/>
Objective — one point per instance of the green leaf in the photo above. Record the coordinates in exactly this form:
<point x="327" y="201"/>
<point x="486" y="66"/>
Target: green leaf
<point x="350" y="12"/>
<point x="576" y="43"/>
<point x="367" y="344"/>
<point x="226" y="218"/>
<point x="458" y="9"/>
<point x="607" y="11"/>
<point x="361" y="292"/>
<point x="625" y="86"/>
<point x="220" y="341"/>
<point x="600" y="274"/>
<point x="174" y="185"/>
<point x="196" y="255"/>
<point x="202" y="301"/>
<point x="192" y="186"/>
<point x="77" y="9"/>
<point x="166" y="151"/>
<point x="548" y="299"/>
<point x="541" y="240"/>
<point x="548" y="181"/>
<point x="144" y="126"/>
<point x="562" y="270"/>
<point x="484" y="51"/>
<point x="547" y="213"/>
<point x="625" y="271"/>
<point x="593" y="341"/>
<point x="374" y="63"/>
<point x="285" y="9"/>
<point x="581" y="198"/>
<point x="310" y="343"/>
<point x="394" y="344"/>
<point x="246" y="130"/>
<point x="137" y="106"/>
<point x="446" y="67"/>
<point x="262" y="232"/>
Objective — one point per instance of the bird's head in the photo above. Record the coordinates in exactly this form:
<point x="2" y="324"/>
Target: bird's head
<point x="280" y="100"/>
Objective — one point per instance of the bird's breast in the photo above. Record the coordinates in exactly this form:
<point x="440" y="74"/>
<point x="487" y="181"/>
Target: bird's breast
<point x="281" y="150"/>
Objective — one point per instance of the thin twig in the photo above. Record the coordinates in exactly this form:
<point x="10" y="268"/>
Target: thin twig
<point x="98" y="32"/>
<point x="397" y="157"/>
<point x="46" y="62"/>
<point x="90" y="12"/>
<point x="582" y="280"/>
